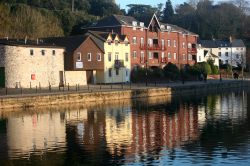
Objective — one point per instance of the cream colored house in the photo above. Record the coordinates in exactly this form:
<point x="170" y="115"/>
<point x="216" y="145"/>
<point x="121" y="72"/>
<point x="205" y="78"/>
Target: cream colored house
<point x="205" y="54"/>
<point x="116" y="57"/>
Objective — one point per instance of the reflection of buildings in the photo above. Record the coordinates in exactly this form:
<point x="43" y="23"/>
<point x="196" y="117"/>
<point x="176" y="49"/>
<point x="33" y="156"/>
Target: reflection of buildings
<point x="153" y="130"/>
<point x="3" y="139"/>
<point x="35" y="133"/>
<point x="230" y="106"/>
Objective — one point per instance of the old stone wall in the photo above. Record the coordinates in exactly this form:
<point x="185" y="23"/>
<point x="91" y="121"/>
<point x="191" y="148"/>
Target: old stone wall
<point x="75" y="77"/>
<point x="24" y="70"/>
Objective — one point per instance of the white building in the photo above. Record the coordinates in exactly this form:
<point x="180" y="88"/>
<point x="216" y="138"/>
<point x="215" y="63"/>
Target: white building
<point x="30" y="64"/>
<point x="205" y="54"/>
<point x="229" y="52"/>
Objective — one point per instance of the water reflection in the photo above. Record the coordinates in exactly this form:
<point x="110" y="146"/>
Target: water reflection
<point x="153" y="131"/>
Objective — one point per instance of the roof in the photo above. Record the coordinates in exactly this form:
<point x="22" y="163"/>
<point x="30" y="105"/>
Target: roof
<point x="120" y="20"/>
<point x="238" y="43"/>
<point x="115" y="20"/>
<point x="221" y="43"/>
<point x="28" y="43"/>
<point x="71" y="43"/>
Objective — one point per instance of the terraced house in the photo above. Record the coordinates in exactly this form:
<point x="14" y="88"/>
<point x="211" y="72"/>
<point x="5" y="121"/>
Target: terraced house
<point x="103" y="55"/>
<point x="152" y="43"/>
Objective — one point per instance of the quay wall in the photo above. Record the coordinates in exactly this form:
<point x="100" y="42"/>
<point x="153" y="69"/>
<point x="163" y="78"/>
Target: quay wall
<point x="27" y="101"/>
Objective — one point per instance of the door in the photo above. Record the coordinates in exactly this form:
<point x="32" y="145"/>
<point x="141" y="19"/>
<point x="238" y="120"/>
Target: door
<point x="89" y="74"/>
<point x="2" y="77"/>
<point x="61" y="75"/>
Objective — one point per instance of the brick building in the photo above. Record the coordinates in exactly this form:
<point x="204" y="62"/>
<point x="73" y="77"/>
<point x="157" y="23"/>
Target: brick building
<point x="152" y="43"/>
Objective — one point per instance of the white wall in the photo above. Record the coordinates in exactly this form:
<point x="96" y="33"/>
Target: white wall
<point x="75" y="77"/>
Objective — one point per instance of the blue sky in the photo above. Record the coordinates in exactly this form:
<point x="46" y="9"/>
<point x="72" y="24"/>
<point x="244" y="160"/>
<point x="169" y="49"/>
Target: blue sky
<point x="123" y="3"/>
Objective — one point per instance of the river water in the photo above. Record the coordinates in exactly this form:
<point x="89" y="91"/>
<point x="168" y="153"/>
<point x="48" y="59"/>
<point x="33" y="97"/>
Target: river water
<point x="203" y="130"/>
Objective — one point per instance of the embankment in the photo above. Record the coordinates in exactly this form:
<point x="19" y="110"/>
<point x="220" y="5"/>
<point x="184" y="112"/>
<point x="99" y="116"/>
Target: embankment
<point x="104" y="97"/>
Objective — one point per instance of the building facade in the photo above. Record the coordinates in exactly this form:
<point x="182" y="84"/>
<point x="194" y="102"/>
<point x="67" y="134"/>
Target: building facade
<point x="205" y="54"/>
<point x="27" y="64"/>
<point x="152" y="43"/>
<point x="103" y="55"/>
<point x="232" y="52"/>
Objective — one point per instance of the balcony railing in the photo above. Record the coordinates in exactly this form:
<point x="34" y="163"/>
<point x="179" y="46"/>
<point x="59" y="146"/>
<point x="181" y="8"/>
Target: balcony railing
<point x="119" y="63"/>
<point x="192" y="50"/>
<point x="152" y="47"/>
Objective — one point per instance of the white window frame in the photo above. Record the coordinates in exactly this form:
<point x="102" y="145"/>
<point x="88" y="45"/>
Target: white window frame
<point x="134" y="54"/>
<point x="175" y="56"/>
<point x="169" y="55"/>
<point x="169" y="43"/>
<point x="174" y="43"/>
<point x="134" y="40"/>
<point x="89" y="56"/>
<point x="99" y="57"/>
<point x="184" y="57"/>
<point x="78" y="54"/>
<point x="150" y="55"/>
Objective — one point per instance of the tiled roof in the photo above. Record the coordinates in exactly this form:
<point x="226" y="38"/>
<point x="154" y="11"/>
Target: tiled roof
<point x="28" y="43"/>
<point x="221" y="43"/>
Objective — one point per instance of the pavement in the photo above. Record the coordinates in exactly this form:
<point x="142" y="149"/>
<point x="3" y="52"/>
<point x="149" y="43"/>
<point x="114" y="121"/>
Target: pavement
<point x="100" y="88"/>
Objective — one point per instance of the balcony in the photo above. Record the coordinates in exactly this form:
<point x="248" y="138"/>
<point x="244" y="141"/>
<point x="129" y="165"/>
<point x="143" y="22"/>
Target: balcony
<point x="192" y="50"/>
<point x="152" y="47"/>
<point x="119" y="64"/>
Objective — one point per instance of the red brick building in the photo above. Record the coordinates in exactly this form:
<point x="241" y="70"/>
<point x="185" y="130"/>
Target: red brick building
<point x="152" y="43"/>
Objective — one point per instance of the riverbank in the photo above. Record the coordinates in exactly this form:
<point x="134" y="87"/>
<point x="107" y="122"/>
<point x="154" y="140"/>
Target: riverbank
<point x="102" y="96"/>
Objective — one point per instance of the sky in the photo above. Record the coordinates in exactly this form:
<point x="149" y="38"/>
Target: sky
<point x="123" y="3"/>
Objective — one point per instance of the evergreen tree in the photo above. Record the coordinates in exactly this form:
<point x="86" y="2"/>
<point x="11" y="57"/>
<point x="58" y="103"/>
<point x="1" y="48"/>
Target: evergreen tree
<point x="168" y="12"/>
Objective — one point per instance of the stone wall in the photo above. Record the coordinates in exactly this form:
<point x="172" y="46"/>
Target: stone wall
<point x="75" y="77"/>
<point x="24" y="70"/>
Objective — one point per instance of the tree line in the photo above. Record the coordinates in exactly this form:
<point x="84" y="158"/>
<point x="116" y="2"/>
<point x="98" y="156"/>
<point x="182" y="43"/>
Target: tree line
<point x="42" y="18"/>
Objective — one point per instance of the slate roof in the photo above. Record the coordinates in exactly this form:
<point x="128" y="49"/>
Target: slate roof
<point x="28" y="43"/>
<point x="119" y="20"/>
<point x="71" y="43"/>
<point x="221" y="43"/>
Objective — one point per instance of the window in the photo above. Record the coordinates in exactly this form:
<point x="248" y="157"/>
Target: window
<point x="150" y="42"/>
<point x="142" y="57"/>
<point x="134" y="40"/>
<point x="189" y="45"/>
<point x="142" y="41"/>
<point x="150" y="55"/>
<point x="184" y="57"/>
<point x="117" y="56"/>
<point x="89" y="56"/>
<point x="109" y="42"/>
<point x="117" y="72"/>
<point x="31" y="52"/>
<point x="43" y="52"/>
<point x="242" y="48"/>
<point x="78" y="55"/>
<point x="199" y="58"/>
<point x="174" y="55"/>
<point x="162" y="43"/>
<point x="116" y="42"/>
<point x="219" y="53"/>
<point x="226" y="53"/>
<point x="226" y="61"/>
<point x="126" y="73"/>
<point x="237" y="56"/>
<point x="183" y="45"/>
<point x="54" y="52"/>
<point x="219" y="48"/>
<point x="174" y="43"/>
<point x="134" y="54"/>
<point x="126" y="43"/>
<point x="169" y="55"/>
<point x="110" y="72"/>
<point x="183" y="35"/>
<point x="126" y="57"/>
<point x="162" y="56"/>
<point x="99" y="56"/>
<point x="109" y="56"/>
<point x="189" y="57"/>
<point x="226" y="48"/>
<point x="169" y="43"/>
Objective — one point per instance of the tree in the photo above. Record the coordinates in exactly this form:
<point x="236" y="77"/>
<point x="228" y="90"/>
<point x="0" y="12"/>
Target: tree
<point x="141" y="12"/>
<point x="168" y="12"/>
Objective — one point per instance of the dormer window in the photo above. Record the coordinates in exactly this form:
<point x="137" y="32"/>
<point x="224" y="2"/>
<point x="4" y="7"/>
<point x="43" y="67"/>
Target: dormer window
<point x="134" y="23"/>
<point x="141" y="24"/>
<point x="109" y="42"/>
<point x="116" y="42"/>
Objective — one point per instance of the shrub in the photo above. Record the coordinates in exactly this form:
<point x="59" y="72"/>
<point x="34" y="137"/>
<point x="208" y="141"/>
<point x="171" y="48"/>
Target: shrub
<point x="171" y="71"/>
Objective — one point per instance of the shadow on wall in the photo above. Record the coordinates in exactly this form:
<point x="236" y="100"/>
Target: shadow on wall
<point x="2" y="77"/>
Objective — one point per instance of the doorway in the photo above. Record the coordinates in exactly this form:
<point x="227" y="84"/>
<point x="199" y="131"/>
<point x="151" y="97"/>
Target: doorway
<point x="90" y="76"/>
<point x="2" y="77"/>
